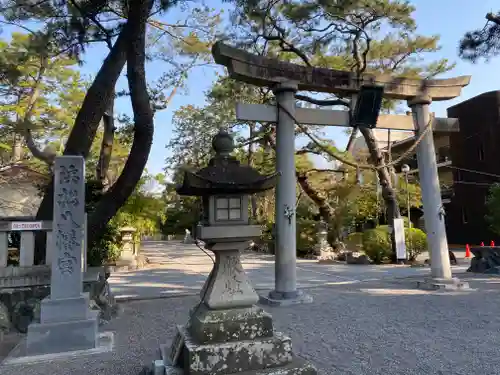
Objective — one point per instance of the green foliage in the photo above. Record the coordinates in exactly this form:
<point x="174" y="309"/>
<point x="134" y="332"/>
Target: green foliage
<point x="143" y="211"/>
<point x="107" y="248"/>
<point x="482" y="43"/>
<point x="354" y="241"/>
<point x="306" y="236"/>
<point x="191" y="140"/>
<point x="267" y="238"/>
<point x="377" y="244"/>
<point x="60" y="93"/>
<point x="178" y="220"/>
<point x="72" y="26"/>
<point x="412" y="190"/>
<point x="341" y="34"/>
<point x="416" y="242"/>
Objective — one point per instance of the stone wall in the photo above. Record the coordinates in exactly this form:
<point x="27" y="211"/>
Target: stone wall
<point x="20" y="306"/>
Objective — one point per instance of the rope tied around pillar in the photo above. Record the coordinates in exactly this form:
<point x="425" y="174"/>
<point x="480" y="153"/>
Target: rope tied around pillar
<point x="408" y="152"/>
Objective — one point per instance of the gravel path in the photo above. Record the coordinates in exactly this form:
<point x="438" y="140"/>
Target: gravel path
<point x="179" y="269"/>
<point x="368" y="328"/>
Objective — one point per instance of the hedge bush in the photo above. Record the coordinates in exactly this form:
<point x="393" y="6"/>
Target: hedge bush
<point x="416" y="242"/>
<point x="306" y="236"/>
<point x="354" y="241"/>
<point x="377" y="244"/>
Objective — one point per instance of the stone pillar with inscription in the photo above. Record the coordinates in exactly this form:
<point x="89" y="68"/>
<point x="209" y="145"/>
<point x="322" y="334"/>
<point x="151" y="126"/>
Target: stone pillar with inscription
<point x="66" y="322"/>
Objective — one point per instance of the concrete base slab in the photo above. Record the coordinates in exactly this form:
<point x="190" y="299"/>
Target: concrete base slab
<point x="274" y="298"/>
<point x="59" y="337"/>
<point x="453" y="284"/>
<point x="296" y="367"/>
<point x="18" y="355"/>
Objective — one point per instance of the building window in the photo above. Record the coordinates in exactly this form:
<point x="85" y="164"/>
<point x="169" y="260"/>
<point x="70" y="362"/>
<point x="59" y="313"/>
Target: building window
<point x="228" y="209"/>
<point x="465" y="219"/>
<point x="481" y="152"/>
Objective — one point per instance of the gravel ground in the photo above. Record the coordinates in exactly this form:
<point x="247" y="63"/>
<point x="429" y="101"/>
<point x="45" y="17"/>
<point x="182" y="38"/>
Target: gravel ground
<point x="368" y="328"/>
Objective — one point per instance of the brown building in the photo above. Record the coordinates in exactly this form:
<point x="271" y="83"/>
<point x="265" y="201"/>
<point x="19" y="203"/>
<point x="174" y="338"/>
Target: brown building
<point x="468" y="163"/>
<point x="444" y="163"/>
<point x="475" y="152"/>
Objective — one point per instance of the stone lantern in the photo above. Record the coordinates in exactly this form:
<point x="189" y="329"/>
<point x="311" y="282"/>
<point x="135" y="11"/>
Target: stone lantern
<point x="322" y="250"/>
<point x="128" y="255"/>
<point x="226" y="332"/>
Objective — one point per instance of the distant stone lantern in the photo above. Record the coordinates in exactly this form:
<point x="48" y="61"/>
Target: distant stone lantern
<point x="227" y="332"/>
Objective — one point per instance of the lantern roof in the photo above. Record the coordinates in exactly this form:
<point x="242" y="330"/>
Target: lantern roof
<point x="224" y="174"/>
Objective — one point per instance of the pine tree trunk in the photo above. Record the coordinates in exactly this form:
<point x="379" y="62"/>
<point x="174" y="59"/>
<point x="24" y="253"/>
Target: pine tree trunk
<point x="325" y="210"/>
<point x="87" y="122"/>
<point x="102" y="170"/>
<point x="117" y="195"/>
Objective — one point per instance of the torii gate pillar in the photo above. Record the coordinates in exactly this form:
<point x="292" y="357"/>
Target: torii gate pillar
<point x="434" y="215"/>
<point x="285" y="283"/>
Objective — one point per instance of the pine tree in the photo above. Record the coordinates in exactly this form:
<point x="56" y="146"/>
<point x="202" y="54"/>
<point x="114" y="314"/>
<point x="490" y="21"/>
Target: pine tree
<point x="67" y="27"/>
<point x="341" y="34"/>
<point x="482" y="43"/>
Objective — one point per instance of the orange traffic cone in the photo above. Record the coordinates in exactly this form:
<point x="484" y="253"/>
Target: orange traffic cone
<point x="467" y="251"/>
<point x="492" y="243"/>
<point x="482" y="244"/>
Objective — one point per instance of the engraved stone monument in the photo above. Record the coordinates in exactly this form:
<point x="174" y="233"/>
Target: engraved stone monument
<point x="226" y="332"/>
<point x="66" y="322"/>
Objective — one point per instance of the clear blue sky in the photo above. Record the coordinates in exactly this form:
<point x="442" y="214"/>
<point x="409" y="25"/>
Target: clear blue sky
<point x="448" y="18"/>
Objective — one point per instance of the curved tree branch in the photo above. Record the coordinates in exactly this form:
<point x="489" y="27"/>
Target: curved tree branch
<point x="327" y="102"/>
<point x="143" y="123"/>
<point x="493" y="18"/>
<point x="91" y="112"/>
<point x="98" y="96"/>
<point x="46" y="157"/>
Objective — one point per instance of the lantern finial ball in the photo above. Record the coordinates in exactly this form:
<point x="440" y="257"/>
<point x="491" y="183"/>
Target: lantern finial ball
<point x="223" y="143"/>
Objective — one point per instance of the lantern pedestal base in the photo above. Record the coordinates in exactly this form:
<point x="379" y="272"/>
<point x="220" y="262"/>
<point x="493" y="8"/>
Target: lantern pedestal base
<point x="264" y="355"/>
<point x="207" y="326"/>
<point x="227" y="285"/>
<point x="227" y="333"/>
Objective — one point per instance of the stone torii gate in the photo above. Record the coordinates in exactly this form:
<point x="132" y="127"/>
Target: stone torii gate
<point x="285" y="79"/>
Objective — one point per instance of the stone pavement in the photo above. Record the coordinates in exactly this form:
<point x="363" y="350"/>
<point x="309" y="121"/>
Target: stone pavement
<point x="373" y="328"/>
<point x="179" y="269"/>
